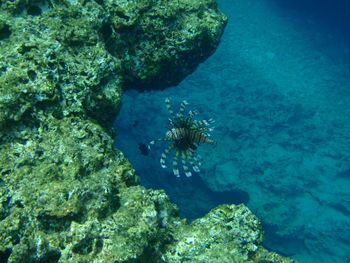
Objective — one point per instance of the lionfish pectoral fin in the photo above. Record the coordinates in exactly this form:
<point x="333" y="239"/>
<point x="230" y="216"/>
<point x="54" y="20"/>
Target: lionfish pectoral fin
<point x="188" y="173"/>
<point x="150" y="143"/>
<point x="154" y="142"/>
<point x="196" y="169"/>
<point x="175" y="165"/>
<point x="163" y="160"/>
<point x="184" y="157"/>
<point x="193" y="161"/>
<point x="164" y="156"/>
<point x="176" y="172"/>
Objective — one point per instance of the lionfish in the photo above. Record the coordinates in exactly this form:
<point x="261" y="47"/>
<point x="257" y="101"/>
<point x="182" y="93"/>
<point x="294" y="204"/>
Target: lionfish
<point x="185" y="135"/>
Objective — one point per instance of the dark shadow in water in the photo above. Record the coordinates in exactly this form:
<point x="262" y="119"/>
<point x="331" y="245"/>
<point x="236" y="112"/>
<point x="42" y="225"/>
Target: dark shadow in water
<point x="192" y="195"/>
<point x="272" y="241"/>
<point x="4" y="256"/>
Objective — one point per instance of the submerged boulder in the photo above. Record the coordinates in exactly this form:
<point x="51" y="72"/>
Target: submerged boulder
<point x="227" y="234"/>
<point x="162" y="41"/>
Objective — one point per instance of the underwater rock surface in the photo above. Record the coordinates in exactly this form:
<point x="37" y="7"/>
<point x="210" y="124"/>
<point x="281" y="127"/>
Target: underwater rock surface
<point x="227" y="234"/>
<point x="66" y="194"/>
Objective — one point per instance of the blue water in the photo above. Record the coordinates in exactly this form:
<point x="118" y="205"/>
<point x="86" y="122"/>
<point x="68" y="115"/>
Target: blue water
<point x="278" y="87"/>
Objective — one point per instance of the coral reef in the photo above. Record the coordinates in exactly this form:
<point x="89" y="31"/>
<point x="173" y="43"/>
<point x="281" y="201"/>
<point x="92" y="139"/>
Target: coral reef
<point x="66" y="194"/>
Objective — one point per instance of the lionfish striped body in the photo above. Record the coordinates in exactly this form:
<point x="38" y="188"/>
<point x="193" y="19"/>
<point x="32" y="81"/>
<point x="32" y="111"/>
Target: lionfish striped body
<point x="185" y="135"/>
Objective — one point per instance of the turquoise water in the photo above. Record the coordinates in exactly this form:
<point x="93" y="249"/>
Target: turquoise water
<point x="278" y="87"/>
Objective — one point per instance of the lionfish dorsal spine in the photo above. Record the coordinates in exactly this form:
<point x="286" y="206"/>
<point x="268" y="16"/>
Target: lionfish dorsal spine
<point x="169" y="108"/>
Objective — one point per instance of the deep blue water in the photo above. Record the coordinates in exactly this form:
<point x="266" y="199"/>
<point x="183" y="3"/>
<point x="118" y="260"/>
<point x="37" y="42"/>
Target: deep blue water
<point x="278" y="87"/>
<point x="330" y="13"/>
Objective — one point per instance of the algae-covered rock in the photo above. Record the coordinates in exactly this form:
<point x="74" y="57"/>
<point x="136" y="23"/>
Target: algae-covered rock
<point x="58" y="61"/>
<point x="137" y="230"/>
<point x="78" y="54"/>
<point x="66" y="194"/>
<point x="57" y="173"/>
<point x="228" y="233"/>
<point x="163" y="40"/>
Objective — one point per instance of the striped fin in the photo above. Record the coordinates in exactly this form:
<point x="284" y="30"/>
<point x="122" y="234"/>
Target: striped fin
<point x="172" y="134"/>
<point x="150" y="143"/>
<point x="184" y="166"/>
<point x="197" y="159"/>
<point x="168" y="106"/>
<point x="203" y="123"/>
<point x="164" y="156"/>
<point x="193" y="161"/>
<point x="192" y="113"/>
<point x="211" y="121"/>
<point x="154" y="142"/>
<point x="182" y="107"/>
<point x="175" y="165"/>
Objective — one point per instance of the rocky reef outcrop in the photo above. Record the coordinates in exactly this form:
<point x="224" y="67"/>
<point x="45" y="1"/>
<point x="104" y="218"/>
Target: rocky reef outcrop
<point x="66" y="194"/>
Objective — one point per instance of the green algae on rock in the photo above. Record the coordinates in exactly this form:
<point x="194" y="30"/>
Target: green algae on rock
<point x="66" y="194"/>
<point x="78" y="54"/>
<point x="57" y="61"/>
<point x="227" y="234"/>
<point x="50" y="180"/>
<point x="168" y="38"/>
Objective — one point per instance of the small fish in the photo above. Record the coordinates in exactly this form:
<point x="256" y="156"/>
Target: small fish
<point x="143" y="148"/>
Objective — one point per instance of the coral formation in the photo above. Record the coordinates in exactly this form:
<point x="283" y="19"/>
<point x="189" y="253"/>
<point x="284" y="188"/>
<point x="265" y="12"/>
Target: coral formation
<point x="66" y="194"/>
